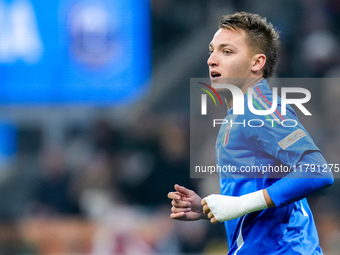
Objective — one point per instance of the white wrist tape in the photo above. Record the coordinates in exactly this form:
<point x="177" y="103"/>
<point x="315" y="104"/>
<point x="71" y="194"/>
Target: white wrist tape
<point x="227" y="208"/>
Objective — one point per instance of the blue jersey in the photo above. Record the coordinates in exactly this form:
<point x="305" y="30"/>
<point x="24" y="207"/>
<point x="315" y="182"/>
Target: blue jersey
<point x="253" y="146"/>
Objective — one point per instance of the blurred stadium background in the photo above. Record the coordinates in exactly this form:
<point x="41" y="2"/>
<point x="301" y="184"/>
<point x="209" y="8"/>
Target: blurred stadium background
<point x="94" y="119"/>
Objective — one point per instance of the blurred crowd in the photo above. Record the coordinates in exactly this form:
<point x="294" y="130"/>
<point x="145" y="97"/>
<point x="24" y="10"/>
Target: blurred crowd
<point x="114" y="177"/>
<point x="105" y="186"/>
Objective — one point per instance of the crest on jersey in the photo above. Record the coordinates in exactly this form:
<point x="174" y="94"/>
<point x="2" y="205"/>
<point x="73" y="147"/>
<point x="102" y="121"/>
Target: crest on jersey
<point x="226" y="134"/>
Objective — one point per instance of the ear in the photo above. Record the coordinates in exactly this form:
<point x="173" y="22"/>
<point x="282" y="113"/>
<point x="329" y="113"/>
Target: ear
<point x="259" y="60"/>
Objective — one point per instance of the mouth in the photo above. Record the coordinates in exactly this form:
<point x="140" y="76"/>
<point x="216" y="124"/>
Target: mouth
<point x="214" y="74"/>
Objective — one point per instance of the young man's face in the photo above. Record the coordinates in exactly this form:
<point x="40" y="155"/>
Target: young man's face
<point x="230" y="56"/>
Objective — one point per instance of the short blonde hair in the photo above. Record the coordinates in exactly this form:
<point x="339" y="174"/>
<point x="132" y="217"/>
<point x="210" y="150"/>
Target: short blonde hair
<point x="261" y="36"/>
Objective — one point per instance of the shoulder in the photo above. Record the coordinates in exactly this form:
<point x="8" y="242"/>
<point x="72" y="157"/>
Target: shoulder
<point x="265" y="101"/>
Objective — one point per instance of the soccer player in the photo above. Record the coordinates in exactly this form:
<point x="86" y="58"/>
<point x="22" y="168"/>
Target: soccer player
<point x="267" y="215"/>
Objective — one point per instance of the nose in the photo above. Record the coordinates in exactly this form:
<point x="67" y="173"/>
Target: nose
<point x="212" y="60"/>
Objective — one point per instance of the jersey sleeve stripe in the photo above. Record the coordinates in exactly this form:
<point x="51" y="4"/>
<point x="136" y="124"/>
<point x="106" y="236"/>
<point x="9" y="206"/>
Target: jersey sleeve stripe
<point x="270" y="104"/>
<point x="266" y="107"/>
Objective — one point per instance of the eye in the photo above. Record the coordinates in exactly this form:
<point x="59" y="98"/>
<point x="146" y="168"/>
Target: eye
<point x="210" y="52"/>
<point x="226" y="51"/>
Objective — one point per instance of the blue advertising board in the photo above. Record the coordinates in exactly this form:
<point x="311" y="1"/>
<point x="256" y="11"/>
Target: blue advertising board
<point x="95" y="52"/>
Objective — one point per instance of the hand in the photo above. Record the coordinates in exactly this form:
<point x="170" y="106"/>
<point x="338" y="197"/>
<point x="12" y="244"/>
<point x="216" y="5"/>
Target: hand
<point x="223" y="208"/>
<point x="206" y="210"/>
<point x="186" y="204"/>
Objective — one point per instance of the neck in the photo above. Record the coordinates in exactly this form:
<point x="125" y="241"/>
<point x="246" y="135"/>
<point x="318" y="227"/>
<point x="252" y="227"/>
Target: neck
<point x="244" y="87"/>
